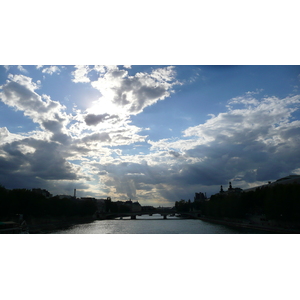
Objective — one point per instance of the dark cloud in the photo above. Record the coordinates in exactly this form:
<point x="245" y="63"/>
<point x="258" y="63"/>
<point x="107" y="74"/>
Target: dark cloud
<point x="52" y="126"/>
<point x="19" y="93"/>
<point x="95" y="137"/>
<point x="174" y="153"/>
<point x="45" y="162"/>
<point x="57" y="128"/>
<point x="93" y="120"/>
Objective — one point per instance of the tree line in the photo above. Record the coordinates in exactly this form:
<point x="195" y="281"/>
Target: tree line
<point x="279" y="202"/>
<point x="31" y="204"/>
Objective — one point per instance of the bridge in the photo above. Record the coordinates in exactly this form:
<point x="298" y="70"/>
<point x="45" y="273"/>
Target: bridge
<point x="134" y="214"/>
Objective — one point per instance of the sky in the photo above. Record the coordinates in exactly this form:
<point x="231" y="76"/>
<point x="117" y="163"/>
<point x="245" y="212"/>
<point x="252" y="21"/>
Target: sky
<point x="153" y="134"/>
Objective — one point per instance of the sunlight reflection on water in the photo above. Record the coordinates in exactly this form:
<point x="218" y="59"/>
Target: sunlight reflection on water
<point x="151" y="225"/>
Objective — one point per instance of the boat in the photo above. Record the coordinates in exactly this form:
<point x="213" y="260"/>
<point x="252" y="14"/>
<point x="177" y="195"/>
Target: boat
<point x="11" y="227"/>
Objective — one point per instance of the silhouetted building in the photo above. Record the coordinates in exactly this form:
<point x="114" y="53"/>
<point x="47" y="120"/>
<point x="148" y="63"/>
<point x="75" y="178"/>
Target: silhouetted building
<point x="284" y="180"/>
<point x="233" y="190"/>
<point x="100" y="205"/>
<point x="199" y="197"/>
<point x="230" y="189"/>
<point x="148" y="208"/>
<point x="136" y="207"/>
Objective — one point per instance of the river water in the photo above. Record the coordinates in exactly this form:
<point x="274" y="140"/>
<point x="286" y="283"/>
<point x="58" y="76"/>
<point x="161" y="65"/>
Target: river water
<point x="153" y="225"/>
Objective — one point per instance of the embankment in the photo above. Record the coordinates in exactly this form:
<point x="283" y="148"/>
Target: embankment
<point x="246" y="224"/>
<point x="50" y="225"/>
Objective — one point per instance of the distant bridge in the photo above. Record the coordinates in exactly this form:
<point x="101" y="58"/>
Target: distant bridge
<point x="134" y="214"/>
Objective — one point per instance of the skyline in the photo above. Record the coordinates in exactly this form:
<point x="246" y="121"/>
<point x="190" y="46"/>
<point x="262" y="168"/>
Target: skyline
<point x="155" y="134"/>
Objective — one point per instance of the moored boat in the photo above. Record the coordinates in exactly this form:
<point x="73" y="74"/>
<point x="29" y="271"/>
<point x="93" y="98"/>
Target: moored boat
<point x="11" y="227"/>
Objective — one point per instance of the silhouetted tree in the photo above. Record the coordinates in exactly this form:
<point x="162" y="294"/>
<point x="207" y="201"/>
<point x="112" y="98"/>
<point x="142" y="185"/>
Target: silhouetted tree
<point x="31" y="204"/>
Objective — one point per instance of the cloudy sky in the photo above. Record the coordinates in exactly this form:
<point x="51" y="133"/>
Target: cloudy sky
<point x="156" y="134"/>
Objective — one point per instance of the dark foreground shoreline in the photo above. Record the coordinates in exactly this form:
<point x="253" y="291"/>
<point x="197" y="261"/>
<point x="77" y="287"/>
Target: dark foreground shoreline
<point x="50" y="226"/>
<point x="241" y="224"/>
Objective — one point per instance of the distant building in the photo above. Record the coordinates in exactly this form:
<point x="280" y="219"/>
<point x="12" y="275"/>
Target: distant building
<point x="230" y="190"/>
<point x="148" y="208"/>
<point x="233" y="190"/>
<point x="199" y="197"/>
<point x="136" y="207"/>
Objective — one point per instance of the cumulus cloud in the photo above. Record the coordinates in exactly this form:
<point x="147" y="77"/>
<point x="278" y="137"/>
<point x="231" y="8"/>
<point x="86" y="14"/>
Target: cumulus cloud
<point x="50" y="70"/>
<point x="80" y="74"/>
<point x="259" y="120"/>
<point x="8" y="137"/>
<point x="45" y="161"/>
<point x="132" y="94"/>
<point x="19" y="92"/>
<point x="254" y="143"/>
<point x="147" y="180"/>
<point x="32" y="159"/>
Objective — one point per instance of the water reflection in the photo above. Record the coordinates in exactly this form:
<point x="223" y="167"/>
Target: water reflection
<point x="154" y="225"/>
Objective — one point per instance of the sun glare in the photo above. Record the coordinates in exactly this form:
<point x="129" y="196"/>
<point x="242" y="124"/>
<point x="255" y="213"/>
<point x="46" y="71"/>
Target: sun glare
<point x="104" y="105"/>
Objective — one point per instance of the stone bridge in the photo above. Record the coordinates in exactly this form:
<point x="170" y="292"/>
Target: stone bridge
<point x="133" y="215"/>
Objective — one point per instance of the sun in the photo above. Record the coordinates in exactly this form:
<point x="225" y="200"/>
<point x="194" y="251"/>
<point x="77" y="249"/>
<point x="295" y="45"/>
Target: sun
<point x="105" y="105"/>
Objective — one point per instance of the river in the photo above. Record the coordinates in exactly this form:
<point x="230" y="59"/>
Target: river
<point x="153" y="225"/>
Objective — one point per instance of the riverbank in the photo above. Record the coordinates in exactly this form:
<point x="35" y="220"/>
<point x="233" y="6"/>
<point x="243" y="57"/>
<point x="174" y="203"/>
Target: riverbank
<point x="48" y="225"/>
<point x="247" y="225"/>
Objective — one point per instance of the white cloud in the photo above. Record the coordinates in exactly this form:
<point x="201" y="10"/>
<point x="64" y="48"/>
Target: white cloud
<point x="8" y="137"/>
<point x="51" y="70"/>
<point x="19" y="92"/>
<point x="100" y="68"/>
<point x="130" y="95"/>
<point x="22" y="69"/>
<point x="80" y="74"/>
<point x="257" y="120"/>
